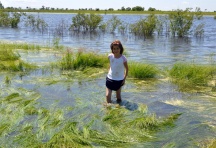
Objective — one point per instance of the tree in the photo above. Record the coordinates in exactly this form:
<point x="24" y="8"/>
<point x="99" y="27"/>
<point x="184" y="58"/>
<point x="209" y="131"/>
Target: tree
<point x="138" y="8"/>
<point x="151" y="9"/>
<point x="145" y="27"/>
<point x="113" y="23"/>
<point x="181" y="22"/>
<point x="123" y="8"/>
<point x="43" y="7"/>
<point x="1" y="6"/>
<point x="85" y="22"/>
<point x="198" y="13"/>
<point x="128" y="8"/>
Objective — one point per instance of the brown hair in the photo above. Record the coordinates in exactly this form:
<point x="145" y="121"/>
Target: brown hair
<point x="119" y="44"/>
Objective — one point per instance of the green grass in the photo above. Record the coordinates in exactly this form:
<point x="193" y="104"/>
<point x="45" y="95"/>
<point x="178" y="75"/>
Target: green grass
<point x="190" y="76"/>
<point x="25" y="124"/>
<point x="23" y="46"/>
<point x="213" y="144"/>
<point x="10" y="61"/>
<point x="142" y="71"/>
<point x="82" y="60"/>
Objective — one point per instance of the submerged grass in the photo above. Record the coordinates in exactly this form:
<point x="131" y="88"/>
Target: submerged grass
<point x="25" y="124"/>
<point x="191" y="76"/>
<point x="10" y="59"/>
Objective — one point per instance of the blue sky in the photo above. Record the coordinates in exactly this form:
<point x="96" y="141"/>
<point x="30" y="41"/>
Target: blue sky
<point x="205" y="5"/>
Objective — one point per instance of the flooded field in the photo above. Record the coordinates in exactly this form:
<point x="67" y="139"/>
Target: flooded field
<point x="50" y="107"/>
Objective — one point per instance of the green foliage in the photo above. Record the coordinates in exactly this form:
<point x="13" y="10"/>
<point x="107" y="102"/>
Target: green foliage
<point x="15" y="19"/>
<point x="145" y="27"/>
<point x="6" y="20"/>
<point x="103" y="27"/>
<point x="93" y="21"/>
<point x="138" y="8"/>
<point x="35" y="126"/>
<point x="10" y="60"/>
<point x="151" y="9"/>
<point x="35" y="23"/>
<point x="82" y="60"/>
<point x="198" y="13"/>
<point x="189" y="76"/>
<point x="213" y="144"/>
<point x="141" y="71"/>
<point x="181" y="22"/>
<point x="16" y="66"/>
<point x="84" y="22"/>
<point x="70" y="136"/>
<point x="8" y="55"/>
<point x="7" y="80"/>
<point x="56" y="43"/>
<point x="91" y="59"/>
<point x="12" y="46"/>
<point x="113" y="23"/>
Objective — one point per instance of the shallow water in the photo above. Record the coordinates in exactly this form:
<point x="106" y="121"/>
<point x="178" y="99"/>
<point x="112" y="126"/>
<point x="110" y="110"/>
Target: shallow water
<point x="194" y="127"/>
<point x="196" y="124"/>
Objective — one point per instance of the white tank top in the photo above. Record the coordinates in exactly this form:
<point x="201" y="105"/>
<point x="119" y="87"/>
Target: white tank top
<point x="117" y="69"/>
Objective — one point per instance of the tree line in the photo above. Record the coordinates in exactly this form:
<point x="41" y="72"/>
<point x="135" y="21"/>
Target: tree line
<point x="136" y="8"/>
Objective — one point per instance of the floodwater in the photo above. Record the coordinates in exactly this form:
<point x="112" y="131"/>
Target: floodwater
<point x="194" y="127"/>
<point x="160" y="49"/>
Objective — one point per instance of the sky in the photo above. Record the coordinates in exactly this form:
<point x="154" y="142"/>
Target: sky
<point x="204" y="5"/>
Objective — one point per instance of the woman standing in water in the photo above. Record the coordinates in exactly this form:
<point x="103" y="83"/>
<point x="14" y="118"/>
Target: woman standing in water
<point x="118" y="71"/>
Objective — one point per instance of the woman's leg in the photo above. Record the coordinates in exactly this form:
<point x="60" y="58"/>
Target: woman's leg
<point x="108" y="95"/>
<point x="118" y="95"/>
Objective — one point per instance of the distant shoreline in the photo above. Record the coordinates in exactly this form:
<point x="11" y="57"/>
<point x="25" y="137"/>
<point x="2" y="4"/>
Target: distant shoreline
<point x="98" y="12"/>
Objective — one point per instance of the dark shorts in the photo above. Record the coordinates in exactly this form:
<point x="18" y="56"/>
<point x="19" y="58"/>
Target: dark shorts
<point x="113" y="84"/>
